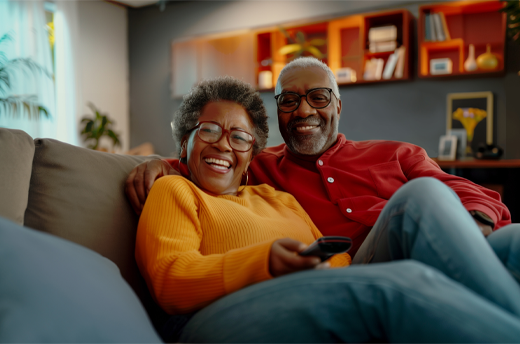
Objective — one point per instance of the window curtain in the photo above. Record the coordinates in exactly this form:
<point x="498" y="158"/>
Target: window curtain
<point x="68" y="92"/>
<point x="25" y="21"/>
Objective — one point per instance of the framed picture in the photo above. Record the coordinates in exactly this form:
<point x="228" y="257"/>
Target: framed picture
<point x="461" y="142"/>
<point x="447" y="147"/>
<point x="472" y="112"/>
<point x="440" y="66"/>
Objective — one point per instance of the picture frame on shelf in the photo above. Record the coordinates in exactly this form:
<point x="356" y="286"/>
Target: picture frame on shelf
<point x="447" y="148"/>
<point x="461" y="142"/>
<point x="441" y="66"/>
<point x="472" y="112"/>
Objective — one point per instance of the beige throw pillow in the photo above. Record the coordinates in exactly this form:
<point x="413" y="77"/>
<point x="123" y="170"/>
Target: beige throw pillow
<point x="78" y="194"/>
<point x="16" y="156"/>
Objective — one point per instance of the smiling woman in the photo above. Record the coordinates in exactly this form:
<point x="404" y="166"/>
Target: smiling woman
<point x="203" y="235"/>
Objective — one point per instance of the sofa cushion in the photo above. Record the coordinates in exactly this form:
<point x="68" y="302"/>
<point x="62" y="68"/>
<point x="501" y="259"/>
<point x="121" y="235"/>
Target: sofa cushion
<point x="55" y="291"/>
<point x="16" y="156"/>
<point x="78" y="194"/>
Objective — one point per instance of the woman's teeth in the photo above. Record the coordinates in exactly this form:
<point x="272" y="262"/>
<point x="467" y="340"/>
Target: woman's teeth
<point x="217" y="163"/>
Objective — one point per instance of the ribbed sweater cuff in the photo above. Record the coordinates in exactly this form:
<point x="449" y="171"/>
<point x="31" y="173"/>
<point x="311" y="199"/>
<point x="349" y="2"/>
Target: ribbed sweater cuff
<point x="246" y="266"/>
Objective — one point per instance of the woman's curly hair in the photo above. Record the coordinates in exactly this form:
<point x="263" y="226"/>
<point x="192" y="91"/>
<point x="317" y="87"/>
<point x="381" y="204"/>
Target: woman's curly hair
<point x="218" y="89"/>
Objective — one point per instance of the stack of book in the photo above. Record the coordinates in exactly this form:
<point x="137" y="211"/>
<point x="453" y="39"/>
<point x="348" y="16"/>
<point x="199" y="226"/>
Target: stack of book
<point x="435" y="27"/>
<point x="383" y="38"/>
<point x="375" y="68"/>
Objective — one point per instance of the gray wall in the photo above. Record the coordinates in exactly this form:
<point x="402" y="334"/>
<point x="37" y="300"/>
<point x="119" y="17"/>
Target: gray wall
<point x="412" y="111"/>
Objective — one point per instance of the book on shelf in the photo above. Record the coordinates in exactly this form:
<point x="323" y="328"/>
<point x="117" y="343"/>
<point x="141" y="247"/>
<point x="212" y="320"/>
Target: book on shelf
<point x="439" y="31"/>
<point x="382" y="33"/>
<point x="433" y="31"/>
<point x="384" y="46"/>
<point x="444" y="26"/>
<point x="390" y="65"/>
<point x="399" y="67"/>
<point x="427" y="28"/>
<point x="373" y="69"/>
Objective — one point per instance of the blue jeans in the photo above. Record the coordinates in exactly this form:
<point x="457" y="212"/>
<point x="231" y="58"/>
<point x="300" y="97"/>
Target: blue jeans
<point x="425" y="221"/>
<point x="464" y="295"/>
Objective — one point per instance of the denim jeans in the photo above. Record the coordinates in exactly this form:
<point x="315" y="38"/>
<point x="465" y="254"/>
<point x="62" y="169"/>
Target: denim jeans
<point x="425" y="221"/>
<point x="445" y="284"/>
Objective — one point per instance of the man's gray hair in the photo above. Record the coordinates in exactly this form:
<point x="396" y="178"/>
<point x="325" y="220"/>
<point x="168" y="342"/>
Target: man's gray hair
<point x="218" y="89"/>
<point x="308" y="62"/>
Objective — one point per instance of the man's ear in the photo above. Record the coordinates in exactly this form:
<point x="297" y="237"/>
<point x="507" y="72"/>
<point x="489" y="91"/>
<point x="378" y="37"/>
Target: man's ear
<point x="339" y="108"/>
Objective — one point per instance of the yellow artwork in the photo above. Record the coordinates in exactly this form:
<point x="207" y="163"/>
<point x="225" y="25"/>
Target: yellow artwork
<point x="469" y="117"/>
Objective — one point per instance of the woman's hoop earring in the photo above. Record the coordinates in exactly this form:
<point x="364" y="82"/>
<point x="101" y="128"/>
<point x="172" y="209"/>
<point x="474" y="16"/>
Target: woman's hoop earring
<point x="247" y="177"/>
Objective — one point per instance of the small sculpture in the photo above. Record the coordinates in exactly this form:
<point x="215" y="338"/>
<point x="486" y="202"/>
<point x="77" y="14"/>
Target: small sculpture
<point x="488" y="60"/>
<point x="470" y="64"/>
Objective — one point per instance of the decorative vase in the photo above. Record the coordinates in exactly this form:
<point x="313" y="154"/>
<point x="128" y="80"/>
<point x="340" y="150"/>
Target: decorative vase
<point x="470" y="64"/>
<point x="487" y="61"/>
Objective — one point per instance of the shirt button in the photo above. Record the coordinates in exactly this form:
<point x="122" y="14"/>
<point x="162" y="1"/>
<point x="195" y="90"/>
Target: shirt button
<point x="349" y="210"/>
<point x="330" y="180"/>
<point x="320" y="162"/>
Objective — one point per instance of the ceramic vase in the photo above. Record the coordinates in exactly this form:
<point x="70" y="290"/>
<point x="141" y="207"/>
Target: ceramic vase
<point x="487" y="61"/>
<point x="470" y="64"/>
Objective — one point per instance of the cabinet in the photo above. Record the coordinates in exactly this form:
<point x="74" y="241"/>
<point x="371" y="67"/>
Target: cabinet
<point x="477" y="23"/>
<point x="347" y="44"/>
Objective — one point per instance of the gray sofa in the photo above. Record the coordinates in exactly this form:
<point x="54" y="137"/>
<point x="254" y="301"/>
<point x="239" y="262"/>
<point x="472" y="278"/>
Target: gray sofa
<point x="86" y="288"/>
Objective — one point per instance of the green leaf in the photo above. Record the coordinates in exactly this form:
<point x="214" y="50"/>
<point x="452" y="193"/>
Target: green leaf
<point x="300" y="37"/>
<point x="289" y="49"/>
<point x="314" y="51"/>
<point x="318" y="41"/>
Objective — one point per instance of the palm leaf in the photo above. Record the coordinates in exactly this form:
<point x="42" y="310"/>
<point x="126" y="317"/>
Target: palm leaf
<point x="290" y="48"/>
<point x="13" y="104"/>
<point x="318" y="41"/>
<point x="314" y="51"/>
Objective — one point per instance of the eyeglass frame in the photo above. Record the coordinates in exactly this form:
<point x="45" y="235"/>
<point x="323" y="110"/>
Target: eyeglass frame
<point x="224" y="131"/>
<point x="305" y="95"/>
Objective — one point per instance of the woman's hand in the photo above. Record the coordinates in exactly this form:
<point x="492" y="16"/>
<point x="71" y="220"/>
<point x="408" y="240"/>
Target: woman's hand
<point x="141" y="179"/>
<point x="284" y="258"/>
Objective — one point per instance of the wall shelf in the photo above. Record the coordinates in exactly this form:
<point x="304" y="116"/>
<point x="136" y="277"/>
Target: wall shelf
<point x="468" y="22"/>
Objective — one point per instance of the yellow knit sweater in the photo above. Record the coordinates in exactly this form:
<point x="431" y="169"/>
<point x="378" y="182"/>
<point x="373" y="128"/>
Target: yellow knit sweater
<point x="193" y="248"/>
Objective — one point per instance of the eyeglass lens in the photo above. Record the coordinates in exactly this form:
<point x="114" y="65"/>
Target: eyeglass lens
<point x="318" y="98"/>
<point x="238" y="140"/>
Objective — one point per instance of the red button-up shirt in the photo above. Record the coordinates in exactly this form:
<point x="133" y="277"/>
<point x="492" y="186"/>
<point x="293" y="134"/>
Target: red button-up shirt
<point x="345" y="189"/>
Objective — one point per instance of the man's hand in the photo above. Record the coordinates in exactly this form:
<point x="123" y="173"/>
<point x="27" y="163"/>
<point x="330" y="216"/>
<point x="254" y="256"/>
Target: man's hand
<point x="284" y="258"/>
<point x="485" y="229"/>
<point x="141" y="179"/>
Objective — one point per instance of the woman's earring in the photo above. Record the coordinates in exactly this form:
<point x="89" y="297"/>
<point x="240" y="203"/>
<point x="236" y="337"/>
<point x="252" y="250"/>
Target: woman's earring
<point x="247" y="177"/>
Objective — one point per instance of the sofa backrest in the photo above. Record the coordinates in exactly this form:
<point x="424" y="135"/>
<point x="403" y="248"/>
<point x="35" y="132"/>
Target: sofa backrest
<point x="78" y="194"/>
<point x="16" y="156"/>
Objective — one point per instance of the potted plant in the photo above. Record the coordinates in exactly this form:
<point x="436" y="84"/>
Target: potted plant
<point x="13" y="103"/>
<point x="94" y="128"/>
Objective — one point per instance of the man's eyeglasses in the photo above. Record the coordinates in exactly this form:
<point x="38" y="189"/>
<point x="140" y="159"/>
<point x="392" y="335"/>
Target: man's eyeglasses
<point x="318" y="98"/>
<point x="238" y="139"/>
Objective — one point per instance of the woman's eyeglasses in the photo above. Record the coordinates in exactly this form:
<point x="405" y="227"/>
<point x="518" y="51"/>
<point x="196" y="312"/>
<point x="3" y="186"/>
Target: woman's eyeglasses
<point x="318" y="98"/>
<point x="238" y="139"/>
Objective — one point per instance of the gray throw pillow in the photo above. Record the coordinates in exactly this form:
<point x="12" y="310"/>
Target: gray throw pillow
<point x="16" y="156"/>
<point x="55" y="291"/>
<point x="78" y="194"/>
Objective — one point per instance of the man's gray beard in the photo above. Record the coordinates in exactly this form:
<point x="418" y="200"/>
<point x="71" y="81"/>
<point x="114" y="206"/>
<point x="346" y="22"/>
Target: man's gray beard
<point x="311" y="146"/>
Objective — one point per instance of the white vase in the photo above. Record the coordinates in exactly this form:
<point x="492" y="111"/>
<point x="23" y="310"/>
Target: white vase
<point x="471" y="64"/>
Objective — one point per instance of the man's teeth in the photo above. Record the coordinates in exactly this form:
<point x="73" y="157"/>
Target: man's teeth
<point x="217" y="163"/>
<point x="309" y="127"/>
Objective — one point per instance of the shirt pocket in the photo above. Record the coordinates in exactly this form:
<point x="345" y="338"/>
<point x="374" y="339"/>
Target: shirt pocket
<point x="387" y="177"/>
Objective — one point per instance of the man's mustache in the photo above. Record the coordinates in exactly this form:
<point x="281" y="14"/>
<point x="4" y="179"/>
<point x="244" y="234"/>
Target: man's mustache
<point x="307" y="121"/>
